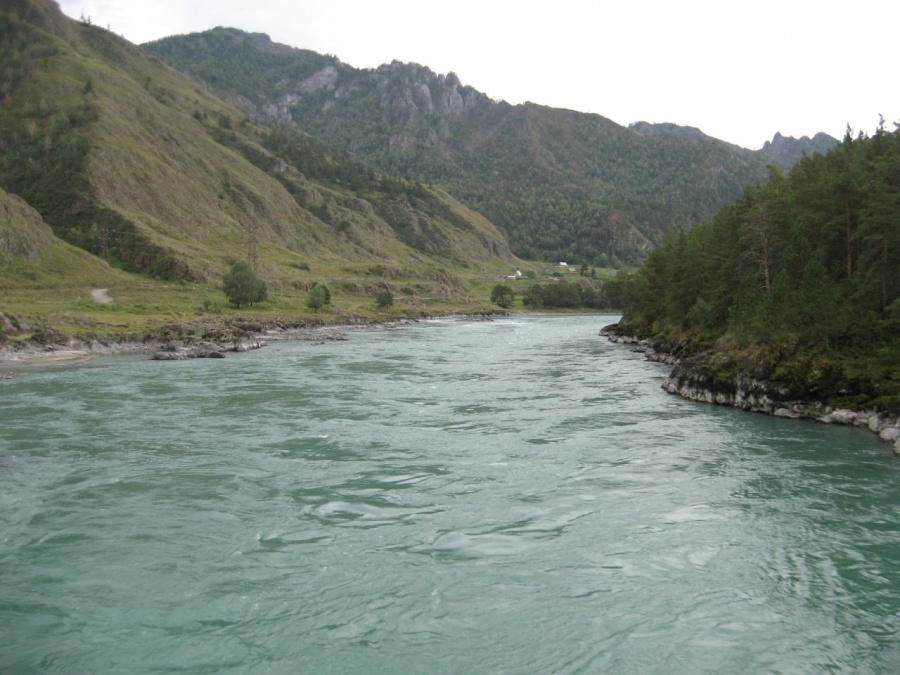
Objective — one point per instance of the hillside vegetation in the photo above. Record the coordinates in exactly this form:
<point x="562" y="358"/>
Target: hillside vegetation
<point x="142" y="167"/>
<point x="31" y="256"/>
<point x="563" y="185"/>
<point x="797" y="282"/>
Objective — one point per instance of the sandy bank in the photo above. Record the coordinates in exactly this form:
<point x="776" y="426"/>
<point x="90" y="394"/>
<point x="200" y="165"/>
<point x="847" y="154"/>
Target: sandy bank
<point x="72" y="354"/>
<point x="64" y="357"/>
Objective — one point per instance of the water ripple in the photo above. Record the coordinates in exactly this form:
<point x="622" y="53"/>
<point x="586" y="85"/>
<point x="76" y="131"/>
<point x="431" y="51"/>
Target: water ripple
<point x="507" y="496"/>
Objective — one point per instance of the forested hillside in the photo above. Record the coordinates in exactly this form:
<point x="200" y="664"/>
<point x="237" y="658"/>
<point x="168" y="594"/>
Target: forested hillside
<point x="805" y="269"/>
<point x="140" y="165"/>
<point x="563" y="185"/>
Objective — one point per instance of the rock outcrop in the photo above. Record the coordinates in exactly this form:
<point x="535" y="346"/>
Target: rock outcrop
<point x="707" y="378"/>
<point x="207" y="349"/>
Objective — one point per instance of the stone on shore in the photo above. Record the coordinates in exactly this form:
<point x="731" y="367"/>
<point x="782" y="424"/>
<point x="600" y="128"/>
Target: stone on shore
<point x="205" y="349"/>
<point x="890" y="434"/>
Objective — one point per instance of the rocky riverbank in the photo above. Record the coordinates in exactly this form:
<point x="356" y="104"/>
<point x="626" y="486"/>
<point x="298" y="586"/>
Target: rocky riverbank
<point x="175" y="342"/>
<point x="185" y="340"/>
<point x="706" y="378"/>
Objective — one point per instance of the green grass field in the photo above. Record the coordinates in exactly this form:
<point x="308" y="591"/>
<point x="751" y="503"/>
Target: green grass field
<point x="57" y="295"/>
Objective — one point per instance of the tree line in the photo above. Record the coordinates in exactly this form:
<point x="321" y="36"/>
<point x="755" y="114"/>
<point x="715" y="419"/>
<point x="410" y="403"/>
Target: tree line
<point x="813" y="255"/>
<point x="556" y="294"/>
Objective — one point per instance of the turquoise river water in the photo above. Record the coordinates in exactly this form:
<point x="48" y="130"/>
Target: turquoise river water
<point x="514" y="496"/>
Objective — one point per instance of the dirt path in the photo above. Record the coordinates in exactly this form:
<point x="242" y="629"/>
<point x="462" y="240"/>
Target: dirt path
<point x="101" y="295"/>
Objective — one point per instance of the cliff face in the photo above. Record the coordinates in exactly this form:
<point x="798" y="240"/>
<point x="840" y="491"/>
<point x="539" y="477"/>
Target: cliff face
<point x="417" y="105"/>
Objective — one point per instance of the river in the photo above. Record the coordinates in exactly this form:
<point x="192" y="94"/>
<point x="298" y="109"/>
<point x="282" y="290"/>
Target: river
<point x="513" y="496"/>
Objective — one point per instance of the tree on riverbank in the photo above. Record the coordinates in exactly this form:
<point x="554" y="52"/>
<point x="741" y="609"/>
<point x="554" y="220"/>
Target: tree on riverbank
<point x="384" y="300"/>
<point x="242" y="286"/>
<point x="503" y="296"/>
<point x="318" y="297"/>
<point x="565" y="295"/>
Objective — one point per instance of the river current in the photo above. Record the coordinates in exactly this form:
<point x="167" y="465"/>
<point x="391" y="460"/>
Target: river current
<point x="513" y="496"/>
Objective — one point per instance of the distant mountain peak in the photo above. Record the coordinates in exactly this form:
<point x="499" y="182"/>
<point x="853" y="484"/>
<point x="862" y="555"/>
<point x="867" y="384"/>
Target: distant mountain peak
<point x="785" y="151"/>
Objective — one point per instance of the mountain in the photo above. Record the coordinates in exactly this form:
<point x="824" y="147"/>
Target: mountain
<point x="134" y="162"/>
<point x="785" y="151"/>
<point x="563" y="185"/>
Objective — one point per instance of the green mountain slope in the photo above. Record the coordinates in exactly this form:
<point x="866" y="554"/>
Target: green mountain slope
<point x="563" y="185"/>
<point x="23" y="235"/>
<point x="142" y="166"/>
<point x="31" y="254"/>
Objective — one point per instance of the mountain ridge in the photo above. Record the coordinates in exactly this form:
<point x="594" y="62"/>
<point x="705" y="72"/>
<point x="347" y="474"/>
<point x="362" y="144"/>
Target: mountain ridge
<point x="561" y="184"/>
<point x="142" y="166"/>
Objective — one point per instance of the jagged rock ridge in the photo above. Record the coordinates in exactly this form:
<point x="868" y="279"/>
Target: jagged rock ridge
<point x="785" y="151"/>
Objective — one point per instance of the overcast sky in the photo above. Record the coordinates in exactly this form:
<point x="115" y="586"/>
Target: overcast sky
<point x="739" y="70"/>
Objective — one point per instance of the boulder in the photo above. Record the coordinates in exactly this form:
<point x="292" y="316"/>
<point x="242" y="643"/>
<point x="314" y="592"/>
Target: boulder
<point x="847" y="417"/>
<point x="890" y="434"/>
